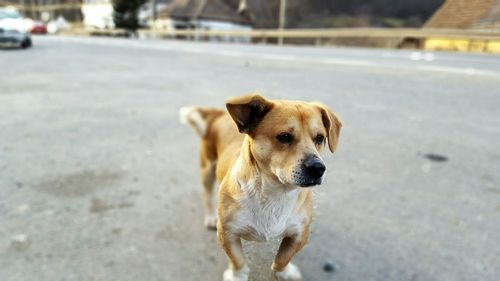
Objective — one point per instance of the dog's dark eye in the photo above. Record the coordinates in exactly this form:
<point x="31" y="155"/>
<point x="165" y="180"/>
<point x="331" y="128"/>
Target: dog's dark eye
<point x="319" y="139"/>
<point x="285" y="138"/>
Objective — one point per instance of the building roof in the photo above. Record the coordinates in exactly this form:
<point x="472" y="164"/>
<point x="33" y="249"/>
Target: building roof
<point x="207" y="10"/>
<point x="464" y="14"/>
<point x="491" y="19"/>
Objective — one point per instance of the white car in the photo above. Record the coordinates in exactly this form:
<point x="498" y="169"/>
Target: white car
<point x="13" y="30"/>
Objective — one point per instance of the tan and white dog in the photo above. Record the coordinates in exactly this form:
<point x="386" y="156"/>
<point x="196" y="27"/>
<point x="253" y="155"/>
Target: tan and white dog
<point x="263" y="153"/>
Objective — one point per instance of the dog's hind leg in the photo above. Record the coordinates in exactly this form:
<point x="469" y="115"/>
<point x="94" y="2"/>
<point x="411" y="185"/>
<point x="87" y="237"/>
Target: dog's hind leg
<point x="207" y="171"/>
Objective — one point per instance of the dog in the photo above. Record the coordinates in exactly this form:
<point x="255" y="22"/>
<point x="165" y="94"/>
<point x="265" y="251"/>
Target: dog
<point x="264" y="154"/>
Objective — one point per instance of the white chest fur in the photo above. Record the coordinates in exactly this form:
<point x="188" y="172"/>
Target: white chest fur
<point x="261" y="218"/>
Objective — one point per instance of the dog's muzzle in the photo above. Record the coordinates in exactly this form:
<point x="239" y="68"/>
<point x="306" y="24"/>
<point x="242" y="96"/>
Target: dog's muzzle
<point x="312" y="170"/>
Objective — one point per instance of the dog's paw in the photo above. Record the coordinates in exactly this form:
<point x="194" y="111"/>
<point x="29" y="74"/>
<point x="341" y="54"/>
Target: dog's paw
<point x="211" y="222"/>
<point x="240" y="275"/>
<point x="290" y="273"/>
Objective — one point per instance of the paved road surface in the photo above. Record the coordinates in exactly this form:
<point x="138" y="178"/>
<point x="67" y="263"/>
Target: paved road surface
<point x="100" y="182"/>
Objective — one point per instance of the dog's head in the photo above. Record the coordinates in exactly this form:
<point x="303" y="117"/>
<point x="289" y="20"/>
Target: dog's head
<point x="287" y="137"/>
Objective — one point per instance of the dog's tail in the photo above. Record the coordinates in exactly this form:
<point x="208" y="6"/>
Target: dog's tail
<point x="200" y="118"/>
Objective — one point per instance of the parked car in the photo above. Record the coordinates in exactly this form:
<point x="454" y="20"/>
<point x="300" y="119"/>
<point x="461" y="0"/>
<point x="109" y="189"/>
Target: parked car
<point x="38" y="28"/>
<point x="12" y="29"/>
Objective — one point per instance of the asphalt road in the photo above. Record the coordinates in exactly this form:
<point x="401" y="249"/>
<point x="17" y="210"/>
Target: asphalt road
<point x="99" y="181"/>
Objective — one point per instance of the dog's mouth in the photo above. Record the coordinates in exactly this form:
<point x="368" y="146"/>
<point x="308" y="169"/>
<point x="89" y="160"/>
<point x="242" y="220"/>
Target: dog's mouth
<point x="310" y="183"/>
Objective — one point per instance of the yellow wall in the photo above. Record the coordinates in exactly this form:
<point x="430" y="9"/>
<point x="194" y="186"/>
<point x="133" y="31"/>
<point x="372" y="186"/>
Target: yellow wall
<point x="462" y="45"/>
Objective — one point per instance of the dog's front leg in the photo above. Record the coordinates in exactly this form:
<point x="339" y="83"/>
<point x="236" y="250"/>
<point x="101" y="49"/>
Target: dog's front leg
<point x="283" y="269"/>
<point x="231" y="244"/>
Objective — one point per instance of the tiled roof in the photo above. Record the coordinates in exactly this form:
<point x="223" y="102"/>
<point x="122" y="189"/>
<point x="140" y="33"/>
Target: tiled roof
<point x="492" y="18"/>
<point x="461" y="13"/>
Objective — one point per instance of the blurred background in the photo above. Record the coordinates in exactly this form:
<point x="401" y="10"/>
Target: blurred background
<point x="99" y="181"/>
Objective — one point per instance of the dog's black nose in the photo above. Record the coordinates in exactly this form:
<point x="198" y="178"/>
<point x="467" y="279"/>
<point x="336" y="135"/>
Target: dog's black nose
<point x="314" y="167"/>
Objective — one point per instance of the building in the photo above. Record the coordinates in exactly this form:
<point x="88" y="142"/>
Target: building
<point x="491" y="20"/>
<point x="172" y="15"/>
<point x="98" y="13"/>
<point x="466" y="14"/>
<point x="206" y="14"/>
<point x="47" y="10"/>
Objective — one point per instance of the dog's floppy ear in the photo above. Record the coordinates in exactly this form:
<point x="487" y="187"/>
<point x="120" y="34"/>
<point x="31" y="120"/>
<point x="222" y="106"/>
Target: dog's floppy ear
<point x="332" y="124"/>
<point x="248" y="111"/>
